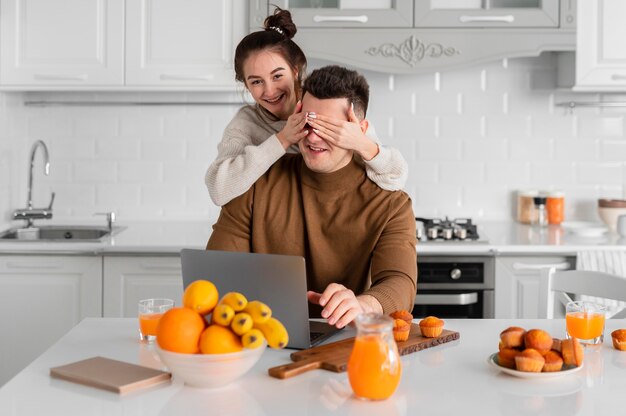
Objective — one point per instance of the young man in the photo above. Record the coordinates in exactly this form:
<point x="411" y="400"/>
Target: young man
<point x="321" y="205"/>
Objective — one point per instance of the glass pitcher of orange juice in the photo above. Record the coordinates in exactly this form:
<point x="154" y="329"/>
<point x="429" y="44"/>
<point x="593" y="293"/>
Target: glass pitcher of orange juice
<point x="374" y="366"/>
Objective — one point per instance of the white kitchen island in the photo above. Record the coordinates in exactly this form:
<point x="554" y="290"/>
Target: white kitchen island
<point x="450" y="379"/>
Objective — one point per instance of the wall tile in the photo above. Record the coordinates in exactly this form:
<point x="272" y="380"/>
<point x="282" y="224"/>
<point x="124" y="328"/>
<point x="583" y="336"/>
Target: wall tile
<point x="94" y="172"/>
<point x="160" y="150"/>
<point x="530" y="150"/>
<point x="514" y="174"/>
<point x="485" y="150"/>
<point x="549" y="175"/>
<point x="605" y="126"/>
<point x="467" y="173"/>
<point x="609" y="173"/>
<point x="501" y="127"/>
<point x="460" y="127"/>
<point x="613" y="151"/>
<point x="577" y="150"/>
<point x="439" y="150"/>
<point x="140" y="172"/>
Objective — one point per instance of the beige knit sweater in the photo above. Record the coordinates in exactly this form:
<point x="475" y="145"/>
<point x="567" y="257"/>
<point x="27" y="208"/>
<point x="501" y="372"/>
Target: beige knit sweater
<point x="250" y="146"/>
<point x="345" y="226"/>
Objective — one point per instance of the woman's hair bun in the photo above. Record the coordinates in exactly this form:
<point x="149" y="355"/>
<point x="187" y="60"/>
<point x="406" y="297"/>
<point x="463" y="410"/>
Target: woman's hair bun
<point x="281" y="22"/>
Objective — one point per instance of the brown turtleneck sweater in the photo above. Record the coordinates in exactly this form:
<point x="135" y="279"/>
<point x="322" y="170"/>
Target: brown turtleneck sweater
<point x="342" y="223"/>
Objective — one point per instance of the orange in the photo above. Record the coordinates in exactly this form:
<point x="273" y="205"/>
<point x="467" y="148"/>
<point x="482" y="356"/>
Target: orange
<point x="201" y="296"/>
<point x="179" y="330"/>
<point x="217" y="339"/>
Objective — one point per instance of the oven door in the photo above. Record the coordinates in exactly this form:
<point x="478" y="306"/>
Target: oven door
<point x="454" y="304"/>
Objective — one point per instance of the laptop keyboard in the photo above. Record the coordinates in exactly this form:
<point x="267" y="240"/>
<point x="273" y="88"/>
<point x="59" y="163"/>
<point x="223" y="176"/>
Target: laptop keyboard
<point x="315" y="335"/>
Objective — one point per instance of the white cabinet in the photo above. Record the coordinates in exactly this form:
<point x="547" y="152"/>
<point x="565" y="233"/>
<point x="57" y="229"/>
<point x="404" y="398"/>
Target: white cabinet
<point x="343" y="13"/>
<point x="600" y="52"/>
<point x="127" y="280"/>
<point x="41" y="298"/>
<point x="182" y="42"/>
<point x="64" y="43"/>
<point x="425" y="36"/>
<point x="120" y="44"/>
<point x="494" y="13"/>
<point x="517" y="283"/>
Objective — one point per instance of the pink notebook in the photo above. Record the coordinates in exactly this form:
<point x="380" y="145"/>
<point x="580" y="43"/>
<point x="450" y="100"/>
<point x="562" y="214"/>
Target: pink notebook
<point x="112" y="375"/>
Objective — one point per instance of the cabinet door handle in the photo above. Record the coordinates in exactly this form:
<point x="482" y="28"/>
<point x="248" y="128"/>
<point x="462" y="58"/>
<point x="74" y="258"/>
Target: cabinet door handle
<point x="358" y="19"/>
<point x="178" y="77"/>
<point x="31" y="265"/>
<point x="60" y="77"/>
<point x="618" y="77"/>
<point x="157" y="265"/>
<point x="473" y="19"/>
<point x="527" y="266"/>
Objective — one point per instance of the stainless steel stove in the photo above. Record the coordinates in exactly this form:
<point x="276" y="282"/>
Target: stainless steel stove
<point x="453" y="285"/>
<point x="437" y="229"/>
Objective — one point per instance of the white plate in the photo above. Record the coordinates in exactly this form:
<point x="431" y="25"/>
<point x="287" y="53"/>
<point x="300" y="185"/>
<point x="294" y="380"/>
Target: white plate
<point x="493" y="360"/>
<point x="585" y="228"/>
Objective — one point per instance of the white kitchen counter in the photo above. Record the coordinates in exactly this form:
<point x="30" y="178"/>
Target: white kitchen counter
<point x="507" y="238"/>
<point x="450" y="379"/>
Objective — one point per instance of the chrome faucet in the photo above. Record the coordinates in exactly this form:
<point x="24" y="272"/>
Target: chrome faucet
<point x="29" y="213"/>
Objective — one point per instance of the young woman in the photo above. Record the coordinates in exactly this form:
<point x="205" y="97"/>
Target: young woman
<point x="272" y="68"/>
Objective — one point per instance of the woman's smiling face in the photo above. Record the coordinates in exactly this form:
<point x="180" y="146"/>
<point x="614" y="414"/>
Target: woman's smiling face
<point x="271" y="82"/>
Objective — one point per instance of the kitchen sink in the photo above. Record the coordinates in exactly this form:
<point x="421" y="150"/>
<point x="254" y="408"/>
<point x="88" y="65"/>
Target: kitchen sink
<point x="58" y="233"/>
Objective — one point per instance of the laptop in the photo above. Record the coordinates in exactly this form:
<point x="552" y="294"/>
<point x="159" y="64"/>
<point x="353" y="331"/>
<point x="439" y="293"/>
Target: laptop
<point x="277" y="280"/>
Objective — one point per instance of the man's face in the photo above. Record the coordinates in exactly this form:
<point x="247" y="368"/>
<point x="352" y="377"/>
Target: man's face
<point x="319" y="155"/>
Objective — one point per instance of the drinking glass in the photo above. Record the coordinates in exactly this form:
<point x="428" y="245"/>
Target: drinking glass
<point x="150" y="311"/>
<point x="374" y="367"/>
<point x="585" y="321"/>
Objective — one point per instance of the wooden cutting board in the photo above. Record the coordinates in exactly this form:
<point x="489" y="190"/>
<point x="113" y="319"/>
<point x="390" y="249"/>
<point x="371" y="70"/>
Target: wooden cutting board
<point x="334" y="356"/>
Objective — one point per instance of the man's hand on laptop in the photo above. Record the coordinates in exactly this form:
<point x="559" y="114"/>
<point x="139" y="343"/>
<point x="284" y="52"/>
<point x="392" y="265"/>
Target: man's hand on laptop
<point x="341" y="305"/>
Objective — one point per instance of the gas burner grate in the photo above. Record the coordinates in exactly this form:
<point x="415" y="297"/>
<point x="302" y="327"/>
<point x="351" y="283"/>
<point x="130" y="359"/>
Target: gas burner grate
<point x="447" y="229"/>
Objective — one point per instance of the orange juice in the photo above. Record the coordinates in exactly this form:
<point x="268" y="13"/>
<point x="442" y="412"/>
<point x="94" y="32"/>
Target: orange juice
<point x="584" y="325"/>
<point x="148" y="323"/>
<point x="374" y="368"/>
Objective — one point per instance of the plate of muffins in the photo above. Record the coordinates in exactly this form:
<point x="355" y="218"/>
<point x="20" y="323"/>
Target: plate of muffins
<point x="535" y="354"/>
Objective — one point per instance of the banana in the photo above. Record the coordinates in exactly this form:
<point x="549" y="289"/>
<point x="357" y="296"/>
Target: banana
<point x="252" y="339"/>
<point x="222" y="314"/>
<point x="259" y="311"/>
<point x="235" y="300"/>
<point x="275" y="333"/>
<point x="241" y="323"/>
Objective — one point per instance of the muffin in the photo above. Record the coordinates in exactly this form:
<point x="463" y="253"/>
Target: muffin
<point x="506" y="357"/>
<point x="401" y="330"/>
<point x="431" y="326"/>
<point x="553" y="362"/>
<point x="539" y="340"/>
<point x="512" y="337"/>
<point x="404" y="315"/>
<point x="529" y="360"/>
<point x="556" y="344"/>
<point x="572" y="352"/>
<point x="619" y="339"/>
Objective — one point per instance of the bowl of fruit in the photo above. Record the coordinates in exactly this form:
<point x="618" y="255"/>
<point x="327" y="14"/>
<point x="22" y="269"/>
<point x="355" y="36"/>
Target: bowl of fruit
<point x="210" y="342"/>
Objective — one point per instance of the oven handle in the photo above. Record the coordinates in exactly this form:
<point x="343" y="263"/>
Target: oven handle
<point x="468" y="298"/>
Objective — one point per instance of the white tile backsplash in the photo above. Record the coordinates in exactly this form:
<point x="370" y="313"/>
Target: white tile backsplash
<point x="472" y="138"/>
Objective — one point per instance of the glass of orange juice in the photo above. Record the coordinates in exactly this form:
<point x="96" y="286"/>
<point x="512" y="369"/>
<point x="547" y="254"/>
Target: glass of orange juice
<point x="374" y="367"/>
<point x="585" y="321"/>
<point x="150" y="311"/>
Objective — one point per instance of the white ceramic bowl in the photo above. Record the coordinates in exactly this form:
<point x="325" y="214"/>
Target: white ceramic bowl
<point x="610" y="215"/>
<point x="210" y="370"/>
